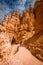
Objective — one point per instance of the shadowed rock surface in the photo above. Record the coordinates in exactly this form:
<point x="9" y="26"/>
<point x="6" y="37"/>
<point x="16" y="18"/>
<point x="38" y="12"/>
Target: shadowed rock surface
<point x="38" y="11"/>
<point x="21" y="37"/>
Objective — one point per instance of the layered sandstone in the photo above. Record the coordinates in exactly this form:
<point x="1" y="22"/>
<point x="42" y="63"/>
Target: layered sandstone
<point x="25" y="30"/>
<point x="35" y="43"/>
<point x="20" y="28"/>
<point x="4" y="23"/>
<point x="38" y="12"/>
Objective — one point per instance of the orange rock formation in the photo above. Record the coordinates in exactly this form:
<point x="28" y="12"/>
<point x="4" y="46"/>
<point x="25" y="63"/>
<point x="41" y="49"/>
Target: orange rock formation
<point x="38" y="13"/>
<point x="19" y="27"/>
<point x="22" y="30"/>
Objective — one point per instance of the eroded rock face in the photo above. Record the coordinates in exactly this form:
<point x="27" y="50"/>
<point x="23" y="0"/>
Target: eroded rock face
<point x="4" y="23"/>
<point x="22" y="30"/>
<point x="30" y="21"/>
<point x="38" y="11"/>
<point x="14" y="54"/>
<point x="35" y="45"/>
<point x="2" y="28"/>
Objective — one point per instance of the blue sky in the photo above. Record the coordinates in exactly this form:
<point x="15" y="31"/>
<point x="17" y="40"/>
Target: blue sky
<point x="7" y="6"/>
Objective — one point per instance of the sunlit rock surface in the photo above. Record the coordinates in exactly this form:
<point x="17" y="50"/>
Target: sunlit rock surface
<point x="14" y="54"/>
<point x="21" y="37"/>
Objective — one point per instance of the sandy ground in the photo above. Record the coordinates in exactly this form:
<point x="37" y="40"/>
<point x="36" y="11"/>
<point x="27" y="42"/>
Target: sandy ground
<point x="23" y="57"/>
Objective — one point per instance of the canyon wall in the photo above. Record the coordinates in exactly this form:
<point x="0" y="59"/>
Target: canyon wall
<point x="38" y="12"/>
